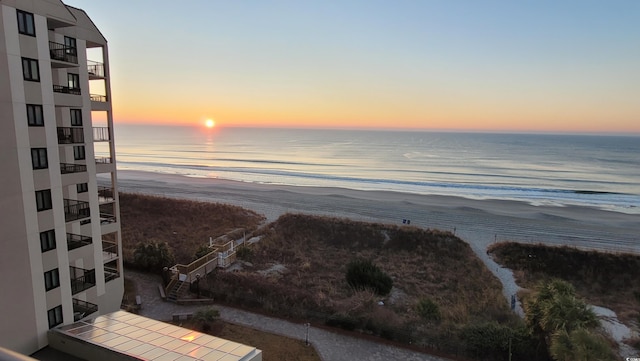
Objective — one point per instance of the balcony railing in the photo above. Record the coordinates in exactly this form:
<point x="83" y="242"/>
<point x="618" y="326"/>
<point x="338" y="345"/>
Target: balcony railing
<point x="103" y="160"/>
<point x="76" y="241"/>
<point x="101" y="134"/>
<point x="68" y="135"/>
<point x="66" y="168"/>
<point x="110" y="274"/>
<point x="66" y="89"/>
<point x="74" y="210"/>
<point x="81" y="279"/>
<point x="98" y="98"/>
<point x="105" y="194"/>
<point x="62" y="52"/>
<point x="82" y="309"/>
<point x="109" y="251"/>
<point x="95" y="69"/>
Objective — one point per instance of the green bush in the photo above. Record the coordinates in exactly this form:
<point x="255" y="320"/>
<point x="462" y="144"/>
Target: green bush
<point x="153" y="256"/>
<point x="428" y="310"/>
<point x="364" y="274"/>
<point x="244" y="253"/>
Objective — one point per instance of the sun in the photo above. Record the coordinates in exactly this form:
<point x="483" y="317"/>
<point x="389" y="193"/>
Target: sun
<point x="209" y="123"/>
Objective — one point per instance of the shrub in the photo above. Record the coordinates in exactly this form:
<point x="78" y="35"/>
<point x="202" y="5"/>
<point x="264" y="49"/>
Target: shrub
<point x="244" y="253"/>
<point x="363" y="274"/>
<point x="428" y="310"/>
<point x="153" y="256"/>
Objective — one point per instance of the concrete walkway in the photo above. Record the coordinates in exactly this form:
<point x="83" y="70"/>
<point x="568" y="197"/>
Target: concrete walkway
<point x="330" y="346"/>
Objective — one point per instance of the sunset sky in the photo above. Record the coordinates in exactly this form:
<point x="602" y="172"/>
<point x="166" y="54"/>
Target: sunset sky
<point x="559" y="66"/>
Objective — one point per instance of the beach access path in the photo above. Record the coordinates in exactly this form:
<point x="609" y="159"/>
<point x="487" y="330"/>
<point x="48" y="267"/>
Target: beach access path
<point x="478" y="222"/>
<point x="330" y="346"/>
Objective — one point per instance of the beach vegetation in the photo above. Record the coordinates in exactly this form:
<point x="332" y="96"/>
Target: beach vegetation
<point x="600" y="278"/>
<point x="244" y="253"/>
<point x="364" y="274"/>
<point x="428" y="309"/>
<point x="565" y="323"/>
<point x="153" y="256"/>
<point x="205" y="317"/>
<point x="185" y="225"/>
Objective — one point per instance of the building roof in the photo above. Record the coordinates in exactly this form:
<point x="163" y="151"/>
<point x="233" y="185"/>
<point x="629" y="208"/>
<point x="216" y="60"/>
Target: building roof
<point x="148" y="339"/>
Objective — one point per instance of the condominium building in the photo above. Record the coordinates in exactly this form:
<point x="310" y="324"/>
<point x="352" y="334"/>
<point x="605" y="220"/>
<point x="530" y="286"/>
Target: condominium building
<point x="60" y="239"/>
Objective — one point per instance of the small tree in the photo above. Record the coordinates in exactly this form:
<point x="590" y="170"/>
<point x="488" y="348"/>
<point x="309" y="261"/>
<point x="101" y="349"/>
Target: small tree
<point x="205" y="317"/>
<point x="363" y="274"/>
<point x="153" y="256"/>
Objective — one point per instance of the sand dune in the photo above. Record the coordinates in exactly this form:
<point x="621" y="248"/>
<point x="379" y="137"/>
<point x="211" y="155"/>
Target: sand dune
<point x="479" y="222"/>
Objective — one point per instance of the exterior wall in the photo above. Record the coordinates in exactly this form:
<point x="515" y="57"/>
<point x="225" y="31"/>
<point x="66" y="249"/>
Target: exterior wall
<point x="23" y="309"/>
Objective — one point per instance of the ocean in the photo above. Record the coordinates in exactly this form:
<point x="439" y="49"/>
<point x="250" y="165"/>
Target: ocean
<point x="541" y="169"/>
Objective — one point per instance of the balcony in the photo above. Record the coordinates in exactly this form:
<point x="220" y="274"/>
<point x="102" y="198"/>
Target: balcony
<point x="95" y="69"/>
<point x="110" y="274"/>
<point x="68" y="135"/>
<point x="74" y="210"/>
<point x="109" y="251"/>
<point x="101" y="134"/>
<point x="98" y="98"/>
<point x="103" y="160"/>
<point x="66" y="168"/>
<point x="76" y="241"/>
<point x="66" y="90"/>
<point x="61" y="52"/>
<point x="81" y="279"/>
<point x="82" y="309"/>
<point x="105" y="195"/>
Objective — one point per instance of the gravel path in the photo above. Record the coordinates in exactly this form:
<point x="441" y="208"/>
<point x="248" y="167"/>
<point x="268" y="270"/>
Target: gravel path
<point x="330" y="346"/>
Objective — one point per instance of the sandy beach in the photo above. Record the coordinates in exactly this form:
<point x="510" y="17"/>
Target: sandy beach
<point x="479" y="222"/>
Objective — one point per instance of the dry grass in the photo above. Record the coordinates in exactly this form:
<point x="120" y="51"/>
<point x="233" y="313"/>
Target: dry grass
<point x="604" y="279"/>
<point x="274" y="347"/>
<point x="315" y="251"/>
<point x="185" y="225"/>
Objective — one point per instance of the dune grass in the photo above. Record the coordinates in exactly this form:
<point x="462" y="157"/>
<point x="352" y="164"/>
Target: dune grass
<point x="183" y="224"/>
<point x="609" y="280"/>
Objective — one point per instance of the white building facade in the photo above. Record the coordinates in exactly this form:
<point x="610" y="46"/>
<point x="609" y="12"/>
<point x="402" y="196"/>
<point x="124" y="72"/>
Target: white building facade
<point x="60" y="238"/>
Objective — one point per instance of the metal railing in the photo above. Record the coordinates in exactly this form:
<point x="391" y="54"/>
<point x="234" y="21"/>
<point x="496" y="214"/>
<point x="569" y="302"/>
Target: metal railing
<point x="109" y="250"/>
<point x="74" y="210"/>
<point x="110" y="274"/>
<point x="66" y="168"/>
<point x="98" y="98"/>
<point x="81" y="279"/>
<point x="103" y="160"/>
<point x="76" y="241"/>
<point x="67" y="135"/>
<point x="101" y="134"/>
<point x="62" y="52"/>
<point x="95" y="68"/>
<point x="66" y="89"/>
<point x="105" y="194"/>
<point x="106" y="218"/>
<point x="82" y="309"/>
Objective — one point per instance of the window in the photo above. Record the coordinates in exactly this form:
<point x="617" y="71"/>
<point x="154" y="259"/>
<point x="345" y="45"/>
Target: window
<point x="78" y="152"/>
<point x="51" y="279"/>
<point x="35" y="117"/>
<point x="55" y="316"/>
<point x="43" y="200"/>
<point x="48" y="240"/>
<point x="70" y="46"/>
<point x="82" y="187"/>
<point x="26" y="25"/>
<point x="73" y="80"/>
<point x="39" y="158"/>
<point x="76" y="117"/>
<point x="30" y="69"/>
